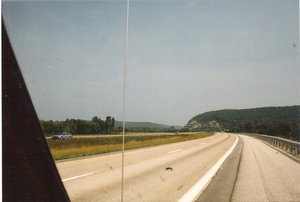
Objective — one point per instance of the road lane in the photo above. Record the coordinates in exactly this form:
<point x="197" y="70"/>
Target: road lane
<point x="266" y="174"/>
<point x="79" y="176"/>
<point x="146" y="175"/>
<point x="174" y="151"/>
<point x="204" y="181"/>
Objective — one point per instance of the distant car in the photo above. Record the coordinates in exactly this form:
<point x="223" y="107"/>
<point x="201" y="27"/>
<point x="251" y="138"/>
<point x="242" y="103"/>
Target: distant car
<point x="62" y="136"/>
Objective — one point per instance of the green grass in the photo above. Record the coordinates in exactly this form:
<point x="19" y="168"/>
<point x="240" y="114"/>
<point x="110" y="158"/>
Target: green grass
<point x="78" y="147"/>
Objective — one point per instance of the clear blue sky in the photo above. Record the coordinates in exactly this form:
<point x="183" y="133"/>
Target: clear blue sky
<point x="185" y="57"/>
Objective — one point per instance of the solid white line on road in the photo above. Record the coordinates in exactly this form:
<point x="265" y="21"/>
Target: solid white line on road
<point x="199" y="187"/>
<point x="78" y="176"/>
<point x="174" y="151"/>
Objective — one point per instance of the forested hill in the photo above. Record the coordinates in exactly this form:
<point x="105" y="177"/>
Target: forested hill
<point x="278" y="121"/>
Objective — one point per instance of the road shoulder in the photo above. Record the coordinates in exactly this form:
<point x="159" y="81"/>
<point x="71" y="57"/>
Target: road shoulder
<point x="222" y="185"/>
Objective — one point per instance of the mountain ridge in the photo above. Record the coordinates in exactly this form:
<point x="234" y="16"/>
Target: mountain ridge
<point x="275" y="120"/>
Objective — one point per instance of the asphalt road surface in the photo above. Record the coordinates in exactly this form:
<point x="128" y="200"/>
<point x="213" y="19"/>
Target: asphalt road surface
<point x="266" y="174"/>
<point x="161" y="173"/>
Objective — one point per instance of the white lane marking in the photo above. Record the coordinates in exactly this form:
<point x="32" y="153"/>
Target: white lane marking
<point x="198" y="188"/>
<point x="78" y="176"/>
<point x="174" y="151"/>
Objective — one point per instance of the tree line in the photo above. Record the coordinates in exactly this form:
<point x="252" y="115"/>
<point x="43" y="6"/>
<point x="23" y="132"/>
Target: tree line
<point x="289" y="130"/>
<point x="79" y="126"/>
<point x="96" y="126"/>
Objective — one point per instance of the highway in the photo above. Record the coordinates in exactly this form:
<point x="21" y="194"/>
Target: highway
<point x="161" y="173"/>
<point x="253" y="172"/>
<point x="265" y="174"/>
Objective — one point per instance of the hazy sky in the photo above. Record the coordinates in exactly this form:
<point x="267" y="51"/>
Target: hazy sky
<point x="185" y="57"/>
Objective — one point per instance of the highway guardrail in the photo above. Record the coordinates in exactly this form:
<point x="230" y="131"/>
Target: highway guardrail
<point x="289" y="146"/>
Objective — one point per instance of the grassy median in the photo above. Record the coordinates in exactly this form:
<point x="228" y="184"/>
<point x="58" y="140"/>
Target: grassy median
<point x="78" y="147"/>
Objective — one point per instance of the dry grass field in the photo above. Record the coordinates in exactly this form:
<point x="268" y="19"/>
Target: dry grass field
<point x="99" y="144"/>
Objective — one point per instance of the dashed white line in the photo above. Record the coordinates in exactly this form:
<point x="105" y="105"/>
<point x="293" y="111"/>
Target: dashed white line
<point x="78" y="176"/>
<point x="174" y="151"/>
